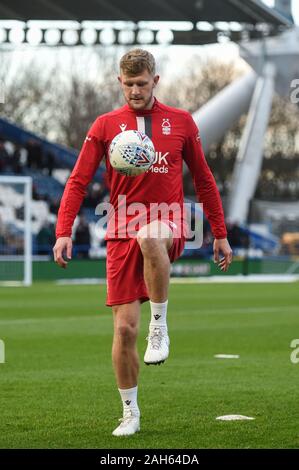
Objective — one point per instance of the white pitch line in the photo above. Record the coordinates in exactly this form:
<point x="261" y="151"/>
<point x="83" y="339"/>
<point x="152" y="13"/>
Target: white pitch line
<point x="226" y="356"/>
<point x="251" y="278"/>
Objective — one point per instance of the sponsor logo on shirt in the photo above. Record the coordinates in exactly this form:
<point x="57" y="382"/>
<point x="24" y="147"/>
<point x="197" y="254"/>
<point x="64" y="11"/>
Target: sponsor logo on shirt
<point x="160" y="164"/>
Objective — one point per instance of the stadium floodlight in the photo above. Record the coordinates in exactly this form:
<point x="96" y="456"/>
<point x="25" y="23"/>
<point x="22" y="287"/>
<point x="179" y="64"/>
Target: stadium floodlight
<point x="107" y="36"/>
<point x="145" y="36"/>
<point x="126" y="36"/>
<point x="16" y="233"/>
<point x="159" y="25"/>
<point x="204" y="26"/>
<point x="222" y="25"/>
<point x="16" y="35"/>
<point x="70" y="37"/>
<point x="34" y="36"/>
<point x="164" y="36"/>
<point x="88" y="36"/>
<point x="52" y="37"/>
<point x="235" y="26"/>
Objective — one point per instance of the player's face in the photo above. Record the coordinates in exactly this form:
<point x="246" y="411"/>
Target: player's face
<point x="138" y="90"/>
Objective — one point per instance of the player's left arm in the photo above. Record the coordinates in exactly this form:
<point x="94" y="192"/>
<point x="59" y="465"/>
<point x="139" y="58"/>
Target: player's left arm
<point x="207" y="193"/>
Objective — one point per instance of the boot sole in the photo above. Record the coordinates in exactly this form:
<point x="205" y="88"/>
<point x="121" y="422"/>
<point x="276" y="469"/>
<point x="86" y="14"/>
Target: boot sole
<point x="154" y="363"/>
<point x="126" y="435"/>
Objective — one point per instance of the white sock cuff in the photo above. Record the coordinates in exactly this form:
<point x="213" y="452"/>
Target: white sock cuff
<point x="128" y="390"/>
<point x="159" y="305"/>
<point x="158" y="313"/>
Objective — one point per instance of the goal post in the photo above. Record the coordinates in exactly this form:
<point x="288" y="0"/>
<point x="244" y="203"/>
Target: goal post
<point x="11" y="199"/>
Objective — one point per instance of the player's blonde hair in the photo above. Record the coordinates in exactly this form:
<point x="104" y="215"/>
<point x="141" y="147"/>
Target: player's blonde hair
<point x="136" y="61"/>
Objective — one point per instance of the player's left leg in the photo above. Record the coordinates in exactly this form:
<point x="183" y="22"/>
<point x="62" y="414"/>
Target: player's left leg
<point x="155" y="241"/>
<point x="126" y="364"/>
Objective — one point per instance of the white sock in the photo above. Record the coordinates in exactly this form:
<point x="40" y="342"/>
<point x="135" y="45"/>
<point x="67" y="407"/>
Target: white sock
<point x="129" y="400"/>
<point x="159" y="312"/>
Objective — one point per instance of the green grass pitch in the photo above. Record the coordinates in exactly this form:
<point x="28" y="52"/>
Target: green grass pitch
<point x="57" y="387"/>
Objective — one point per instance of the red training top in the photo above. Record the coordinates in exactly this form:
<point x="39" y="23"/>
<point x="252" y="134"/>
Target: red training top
<point x="176" y="139"/>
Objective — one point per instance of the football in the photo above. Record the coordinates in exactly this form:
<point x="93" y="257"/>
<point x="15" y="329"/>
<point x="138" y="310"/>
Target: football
<point x="131" y="153"/>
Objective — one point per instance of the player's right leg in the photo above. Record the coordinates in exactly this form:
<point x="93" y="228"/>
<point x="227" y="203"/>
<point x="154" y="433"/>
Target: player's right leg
<point x="159" y="246"/>
<point x="155" y="239"/>
<point x="126" y="364"/>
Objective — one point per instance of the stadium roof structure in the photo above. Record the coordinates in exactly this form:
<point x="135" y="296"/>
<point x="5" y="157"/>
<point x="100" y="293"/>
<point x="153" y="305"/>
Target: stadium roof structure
<point x="244" y="11"/>
<point x="256" y="18"/>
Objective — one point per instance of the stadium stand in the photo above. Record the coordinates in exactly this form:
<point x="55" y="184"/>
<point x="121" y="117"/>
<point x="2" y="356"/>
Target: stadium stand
<point x="49" y="165"/>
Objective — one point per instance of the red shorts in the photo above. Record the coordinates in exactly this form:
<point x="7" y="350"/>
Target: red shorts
<point x="125" y="282"/>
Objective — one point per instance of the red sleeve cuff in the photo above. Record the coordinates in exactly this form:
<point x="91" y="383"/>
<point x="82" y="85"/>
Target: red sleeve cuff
<point x="59" y="235"/>
<point x="220" y="236"/>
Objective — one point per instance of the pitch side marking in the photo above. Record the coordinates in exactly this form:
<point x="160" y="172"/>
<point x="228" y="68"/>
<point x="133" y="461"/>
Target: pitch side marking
<point x="226" y="356"/>
<point x="234" y="418"/>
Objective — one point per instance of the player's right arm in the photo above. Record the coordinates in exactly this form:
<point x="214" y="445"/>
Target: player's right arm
<point x="84" y="170"/>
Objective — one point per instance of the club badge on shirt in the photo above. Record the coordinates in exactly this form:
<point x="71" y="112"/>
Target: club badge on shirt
<point x="166" y="126"/>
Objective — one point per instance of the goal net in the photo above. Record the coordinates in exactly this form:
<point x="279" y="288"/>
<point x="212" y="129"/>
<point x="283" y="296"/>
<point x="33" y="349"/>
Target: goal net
<point x="15" y="230"/>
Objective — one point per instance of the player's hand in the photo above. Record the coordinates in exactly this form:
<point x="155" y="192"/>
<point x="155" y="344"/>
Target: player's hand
<point x="63" y="244"/>
<point x="222" y="247"/>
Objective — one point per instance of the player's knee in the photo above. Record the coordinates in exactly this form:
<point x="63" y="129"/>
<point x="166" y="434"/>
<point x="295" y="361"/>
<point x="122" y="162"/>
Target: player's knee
<point x="126" y="333"/>
<point x="150" y="246"/>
